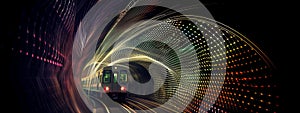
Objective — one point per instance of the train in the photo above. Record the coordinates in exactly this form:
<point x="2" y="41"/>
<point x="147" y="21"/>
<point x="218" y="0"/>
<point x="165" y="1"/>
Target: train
<point x="112" y="80"/>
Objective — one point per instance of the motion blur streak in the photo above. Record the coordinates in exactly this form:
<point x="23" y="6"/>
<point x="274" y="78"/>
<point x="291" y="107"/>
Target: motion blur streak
<point x="42" y="75"/>
<point x="41" y="54"/>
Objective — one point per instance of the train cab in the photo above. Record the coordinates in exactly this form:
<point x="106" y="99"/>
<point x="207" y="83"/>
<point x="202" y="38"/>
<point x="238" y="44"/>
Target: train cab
<point x="115" y="81"/>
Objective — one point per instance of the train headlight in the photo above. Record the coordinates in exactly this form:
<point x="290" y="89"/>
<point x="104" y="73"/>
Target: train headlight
<point x="106" y="89"/>
<point x="123" y="88"/>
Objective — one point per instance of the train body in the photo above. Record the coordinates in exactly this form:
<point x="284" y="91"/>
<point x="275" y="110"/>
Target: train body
<point x="112" y="80"/>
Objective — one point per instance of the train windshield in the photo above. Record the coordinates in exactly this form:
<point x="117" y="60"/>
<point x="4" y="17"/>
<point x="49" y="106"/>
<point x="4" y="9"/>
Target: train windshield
<point x="106" y="76"/>
<point x="123" y="76"/>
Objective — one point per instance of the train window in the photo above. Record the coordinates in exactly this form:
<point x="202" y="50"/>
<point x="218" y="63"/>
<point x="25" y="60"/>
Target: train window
<point x="106" y="77"/>
<point x="115" y="77"/>
<point x="123" y="76"/>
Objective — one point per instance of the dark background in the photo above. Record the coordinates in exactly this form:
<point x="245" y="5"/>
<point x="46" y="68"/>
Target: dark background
<point x="268" y="25"/>
<point x="264" y="23"/>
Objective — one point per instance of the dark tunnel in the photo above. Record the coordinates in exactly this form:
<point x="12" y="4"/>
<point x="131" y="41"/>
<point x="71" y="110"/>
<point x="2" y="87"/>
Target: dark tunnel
<point x="39" y="41"/>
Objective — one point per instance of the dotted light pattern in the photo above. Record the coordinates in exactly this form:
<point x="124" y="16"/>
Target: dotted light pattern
<point x="247" y="86"/>
<point x="39" y="34"/>
<point x="41" y="47"/>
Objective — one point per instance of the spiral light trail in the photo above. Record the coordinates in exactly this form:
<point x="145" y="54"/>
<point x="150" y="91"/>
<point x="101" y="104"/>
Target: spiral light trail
<point x="196" y="41"/>
<point x="196" y="64"/>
